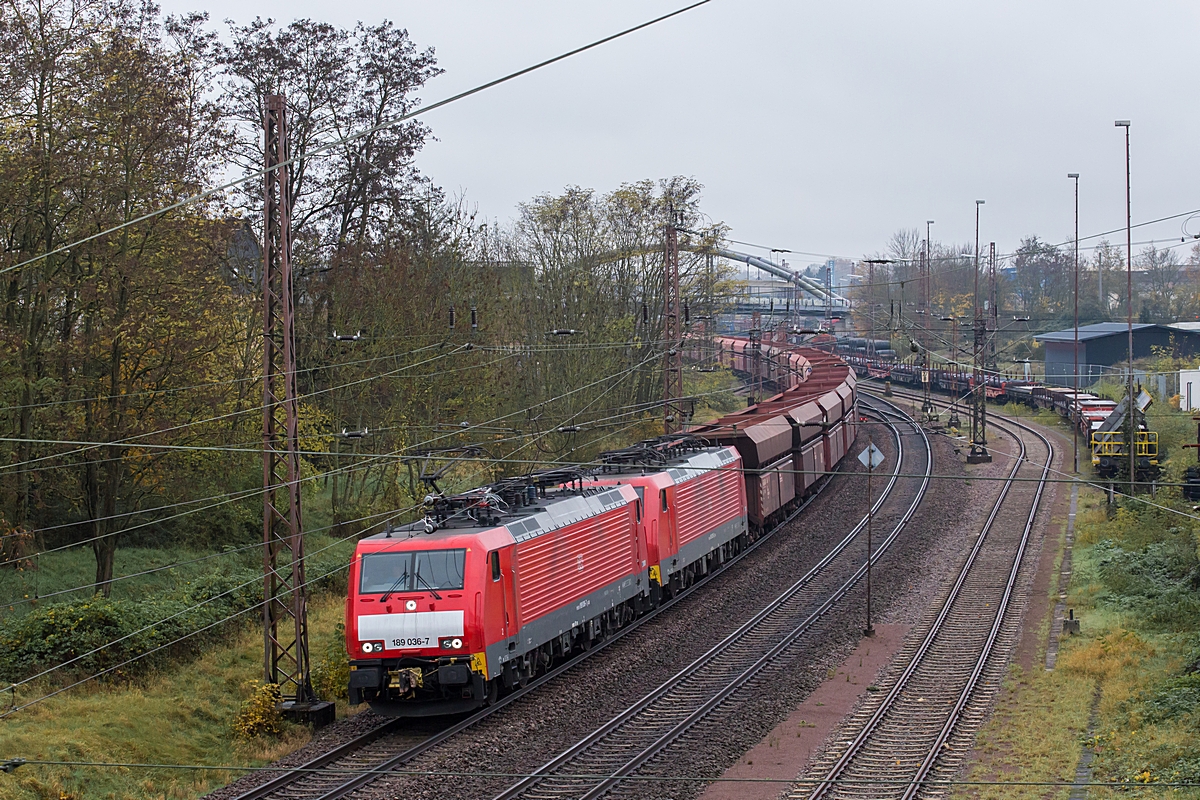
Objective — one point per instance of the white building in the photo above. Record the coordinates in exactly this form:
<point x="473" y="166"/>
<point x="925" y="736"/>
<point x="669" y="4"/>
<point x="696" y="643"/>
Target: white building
<point x="1189" y="389"/>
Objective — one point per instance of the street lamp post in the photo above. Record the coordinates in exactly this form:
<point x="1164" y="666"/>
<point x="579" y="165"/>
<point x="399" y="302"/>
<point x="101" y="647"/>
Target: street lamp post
<point x="1075" y="433"/>
<point x="1130" y="409"/>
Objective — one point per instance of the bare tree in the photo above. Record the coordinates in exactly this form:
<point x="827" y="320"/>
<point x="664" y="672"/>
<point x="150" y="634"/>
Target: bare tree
<point x="1163" y="273"/>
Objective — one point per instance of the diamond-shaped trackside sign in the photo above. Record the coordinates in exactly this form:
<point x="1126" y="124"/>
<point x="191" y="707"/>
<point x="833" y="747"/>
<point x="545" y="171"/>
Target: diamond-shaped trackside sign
<point x="872" y="457"/>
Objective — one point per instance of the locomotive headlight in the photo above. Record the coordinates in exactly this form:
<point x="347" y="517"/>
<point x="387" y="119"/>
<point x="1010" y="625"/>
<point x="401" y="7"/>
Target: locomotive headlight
<point x="368" y="647"/>
<point x="410" y="605"/>
<point x="456" y="644"/>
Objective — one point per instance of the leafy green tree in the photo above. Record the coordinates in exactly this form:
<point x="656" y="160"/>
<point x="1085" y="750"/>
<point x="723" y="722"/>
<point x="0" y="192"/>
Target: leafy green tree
<point x="1042" y="281"/>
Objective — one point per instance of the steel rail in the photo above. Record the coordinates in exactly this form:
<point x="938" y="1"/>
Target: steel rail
<point x="305" y="771"/>
<point x="723" y="692"/>
<point x="993" y="634"/>
<point x="927" y="763"/>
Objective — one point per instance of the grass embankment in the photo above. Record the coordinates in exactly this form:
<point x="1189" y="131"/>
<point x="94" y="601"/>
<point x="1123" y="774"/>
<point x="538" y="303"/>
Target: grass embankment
<point x="76" y="567"/>
<point x="150" y="622"/>
<point x="1135" y="585"/>
<point x="178" y="715"/>
<point x="177" y="705"/>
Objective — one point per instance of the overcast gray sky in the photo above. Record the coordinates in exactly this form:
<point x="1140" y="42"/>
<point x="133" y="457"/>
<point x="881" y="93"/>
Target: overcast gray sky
<point x="818" y="127"/>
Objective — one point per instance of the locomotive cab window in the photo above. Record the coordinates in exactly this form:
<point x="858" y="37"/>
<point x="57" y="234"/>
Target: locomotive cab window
<point x="637" y="504"/>
<point x="420" y="571"/>
<point x="662" y="493"/>
<point x="494" y="560"/>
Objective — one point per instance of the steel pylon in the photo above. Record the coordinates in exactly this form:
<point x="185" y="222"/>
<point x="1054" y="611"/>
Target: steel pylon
<point x="673" y="416"/>
<point x="285" y="611"/>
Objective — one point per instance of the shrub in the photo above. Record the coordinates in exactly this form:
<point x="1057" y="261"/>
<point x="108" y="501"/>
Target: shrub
<point x="1157" y="581"/>
<point x="1174" y="698"/>
<point x="260" y="714"/>
<point x="331" y="665"/>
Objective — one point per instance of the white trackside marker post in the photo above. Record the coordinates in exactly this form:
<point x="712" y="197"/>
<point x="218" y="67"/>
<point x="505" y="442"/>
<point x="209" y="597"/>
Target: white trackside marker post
<point x="871" y="458"/>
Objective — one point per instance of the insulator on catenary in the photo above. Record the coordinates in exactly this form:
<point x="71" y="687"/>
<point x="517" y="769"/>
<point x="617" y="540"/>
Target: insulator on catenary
<point x="645" y="313"/>
<point x="687" y="313"/>
<point x="474" y="319"/>
<point x="451" y="317"/>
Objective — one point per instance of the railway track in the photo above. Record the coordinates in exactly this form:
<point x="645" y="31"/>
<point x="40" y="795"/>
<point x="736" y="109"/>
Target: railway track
<point x="350" y="766"/>
<point x="911" y="733"/>
<point x="665" y="717"/>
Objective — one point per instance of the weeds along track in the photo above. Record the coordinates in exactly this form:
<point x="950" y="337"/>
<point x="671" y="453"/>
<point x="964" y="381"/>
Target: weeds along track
<point x="351" y="765"/>
<point x="669" y="715"/>
<point x="914" y="731"/>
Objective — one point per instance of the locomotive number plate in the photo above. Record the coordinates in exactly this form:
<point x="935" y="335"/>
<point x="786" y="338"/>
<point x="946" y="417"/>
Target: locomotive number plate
<point x="412" y="641"/>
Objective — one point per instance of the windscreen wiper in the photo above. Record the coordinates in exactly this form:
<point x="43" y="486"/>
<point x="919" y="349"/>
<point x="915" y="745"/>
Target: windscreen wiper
<point x="394" y="587"/>
<point x="428" y="585"/>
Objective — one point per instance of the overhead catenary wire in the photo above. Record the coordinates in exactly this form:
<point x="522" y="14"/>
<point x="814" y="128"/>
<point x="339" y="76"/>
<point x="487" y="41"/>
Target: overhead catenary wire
<point x="507" y="353"/>
<point x="330" y="146"/>
<point x="968" y="255"/>
<point x="223" y="498"/>
<point x="256" y="378"/>
<point x="255" y="545"/>
<point x="118" y="578"/>
<point x="231" y="414"/>
<point x="368" y="461"/>
<point x="491" y="462"/>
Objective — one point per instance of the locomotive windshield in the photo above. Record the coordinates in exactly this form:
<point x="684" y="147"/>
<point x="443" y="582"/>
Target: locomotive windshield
<point x="422" y="570"/>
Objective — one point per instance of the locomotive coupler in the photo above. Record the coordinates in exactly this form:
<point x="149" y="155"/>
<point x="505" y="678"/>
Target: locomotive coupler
<point x="406" y="679"/>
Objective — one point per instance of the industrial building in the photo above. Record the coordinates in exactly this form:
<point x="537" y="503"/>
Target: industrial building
<point x="1104" y="345"/>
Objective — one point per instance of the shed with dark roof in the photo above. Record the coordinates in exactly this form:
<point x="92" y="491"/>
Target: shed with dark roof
<point x="1105" y="344"/>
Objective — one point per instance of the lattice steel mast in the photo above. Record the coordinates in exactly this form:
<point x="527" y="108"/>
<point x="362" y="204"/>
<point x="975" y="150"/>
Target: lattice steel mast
<point x="285" y="612"/>
<point x="672" y="330"/>
<point x="994" y="321"/>
<point x="978" y="453"/>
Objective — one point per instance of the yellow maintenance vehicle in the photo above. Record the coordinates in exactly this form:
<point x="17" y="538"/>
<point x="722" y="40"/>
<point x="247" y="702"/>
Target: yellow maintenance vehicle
<point x="1110" y="455"/>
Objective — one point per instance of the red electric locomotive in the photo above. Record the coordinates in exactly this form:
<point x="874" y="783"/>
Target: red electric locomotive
<point x="693" y="505"/>
<point x="487" y="589"/>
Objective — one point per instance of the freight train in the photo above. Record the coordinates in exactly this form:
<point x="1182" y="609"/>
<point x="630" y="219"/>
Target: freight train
<point x="1100" y="422"/>
<point x="495" y="585"/>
